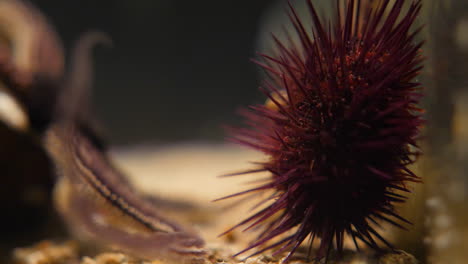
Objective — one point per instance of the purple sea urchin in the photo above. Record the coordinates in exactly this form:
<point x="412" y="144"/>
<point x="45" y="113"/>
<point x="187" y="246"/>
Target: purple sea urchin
<point x="340" y="127"/>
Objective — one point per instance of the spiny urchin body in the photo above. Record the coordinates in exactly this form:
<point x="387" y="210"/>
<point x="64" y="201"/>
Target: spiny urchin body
<point x="340" y="127"/>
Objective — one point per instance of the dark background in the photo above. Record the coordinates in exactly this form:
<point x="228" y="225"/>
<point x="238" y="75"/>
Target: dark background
<point x="179" y="69"/>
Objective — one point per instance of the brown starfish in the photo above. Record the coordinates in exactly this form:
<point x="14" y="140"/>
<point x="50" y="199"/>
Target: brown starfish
<point x="94" y="198"/>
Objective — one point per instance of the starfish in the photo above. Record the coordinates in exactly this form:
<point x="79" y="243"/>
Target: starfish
<point x="92" y="196"/>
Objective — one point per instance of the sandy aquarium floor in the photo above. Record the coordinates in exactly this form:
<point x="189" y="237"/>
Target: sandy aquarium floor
<point x="189" y="174"/>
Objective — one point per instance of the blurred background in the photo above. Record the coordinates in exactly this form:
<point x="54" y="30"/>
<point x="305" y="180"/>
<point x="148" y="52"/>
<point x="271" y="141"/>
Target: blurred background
<point x="178" y="69"/>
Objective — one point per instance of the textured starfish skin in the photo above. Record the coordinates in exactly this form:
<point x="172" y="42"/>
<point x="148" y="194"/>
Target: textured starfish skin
<point x="88" y="185"/>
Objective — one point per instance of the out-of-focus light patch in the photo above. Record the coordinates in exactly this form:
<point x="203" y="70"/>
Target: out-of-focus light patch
<point x="279" y="98"/>
<point x="435" y="203"/>
<point x="456" y="190"/>
<point x="461" y="34"/>
<point x="444" y="240"/>
<point x="12" y="113"/>
<point x="443" y="221"/>
<point x="358" y="262"/>
<point x="427" y="240"/>
<point x="187" y="170"/>
<point x="460" y="123"/>
<point x="99" y="219"/>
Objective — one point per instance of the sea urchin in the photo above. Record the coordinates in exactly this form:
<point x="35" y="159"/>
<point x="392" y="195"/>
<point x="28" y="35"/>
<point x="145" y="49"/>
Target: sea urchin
<point x="340" y="127"/>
